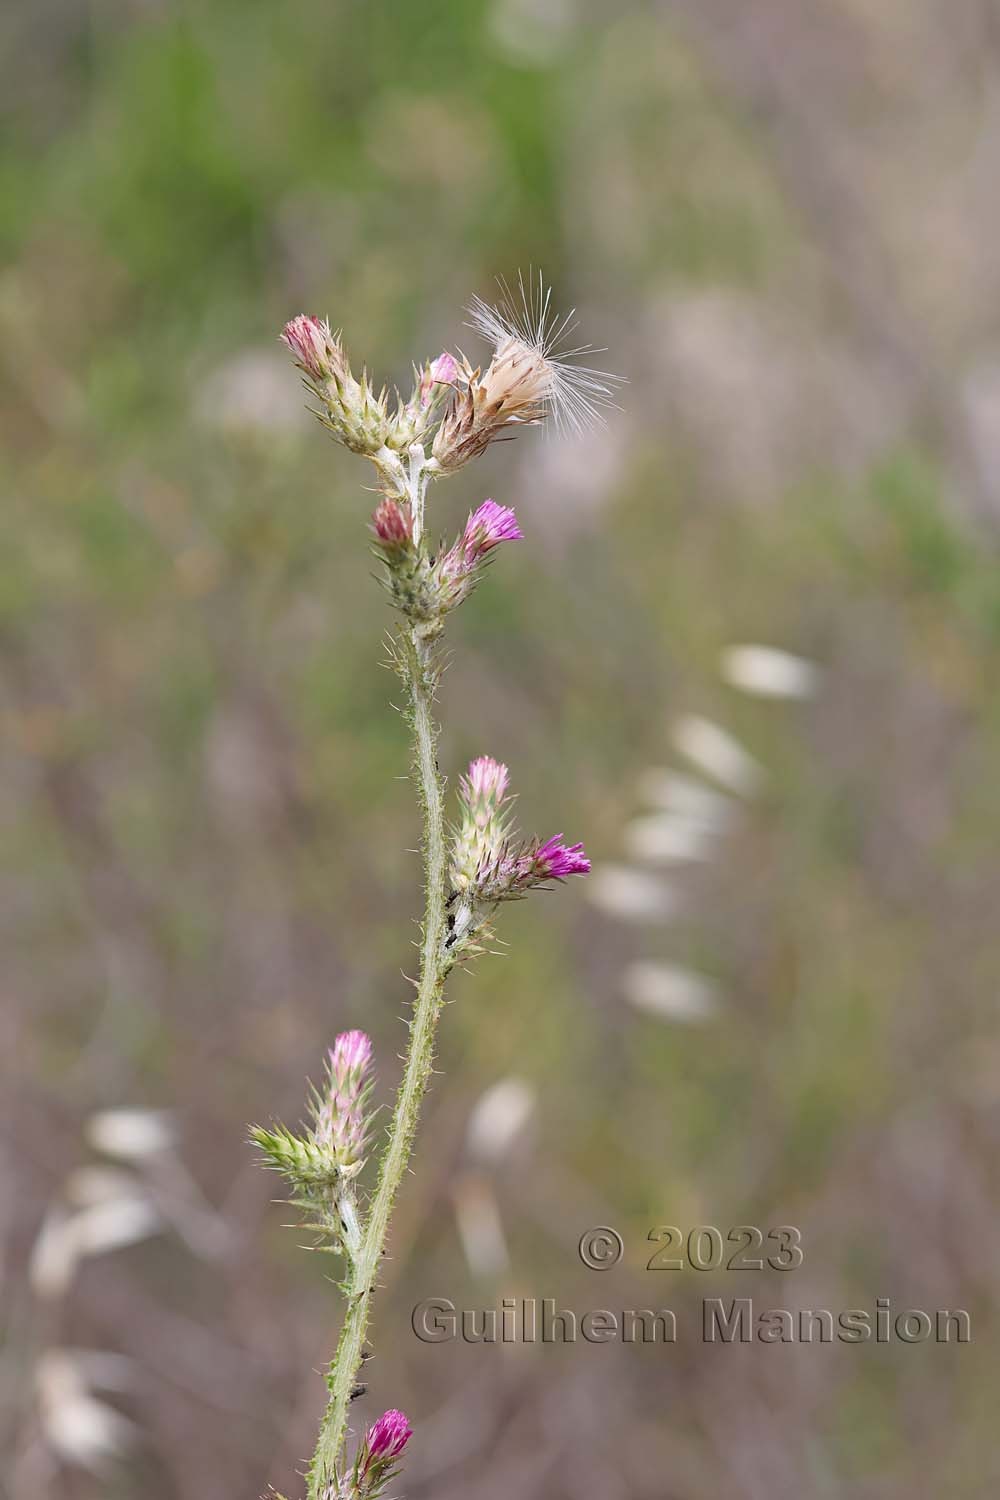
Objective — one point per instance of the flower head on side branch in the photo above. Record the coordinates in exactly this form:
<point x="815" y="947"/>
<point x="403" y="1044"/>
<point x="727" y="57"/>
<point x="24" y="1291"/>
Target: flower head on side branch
<point x="489" y="862"/>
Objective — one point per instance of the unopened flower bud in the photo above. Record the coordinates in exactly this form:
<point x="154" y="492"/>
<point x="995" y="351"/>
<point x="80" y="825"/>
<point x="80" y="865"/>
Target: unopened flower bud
<point x="393" y="527"/>
<point x="440" y="371"/>
<point x="413" y="420"/>
<point x="352" y="411"/>
<point x="316" y="349"/>
<point x="485" y="786"/>
<point x="388" y="1436"/>
<point x="341" y="1123"/>
<point x="484" y="827"/>
<point x="351" y="1053"/>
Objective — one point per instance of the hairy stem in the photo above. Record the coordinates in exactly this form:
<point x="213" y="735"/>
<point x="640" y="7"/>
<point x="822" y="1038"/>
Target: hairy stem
<point x="343" y="1373"/>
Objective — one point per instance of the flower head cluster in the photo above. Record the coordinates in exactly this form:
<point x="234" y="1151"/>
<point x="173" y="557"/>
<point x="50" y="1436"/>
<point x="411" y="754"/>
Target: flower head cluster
<point x="341" y="1112"/>
<point x="377" y="1455"/>
<point x="426" y="588"/>
<point x="456" y="408"/>
<point x="489" y="863"/>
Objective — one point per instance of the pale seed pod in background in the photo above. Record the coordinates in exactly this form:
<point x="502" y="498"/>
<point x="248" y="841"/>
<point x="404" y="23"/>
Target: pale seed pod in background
<point x="718" y="754"/>
<point x="498" y="1117"/>
<point x="131" y="1133"/>
<point x="631" y="895"/>
<point x="766" y="672"/>
<point x="665" y="839"/>
<point x="81" y="1429"/>
<point x="670" y="991"/>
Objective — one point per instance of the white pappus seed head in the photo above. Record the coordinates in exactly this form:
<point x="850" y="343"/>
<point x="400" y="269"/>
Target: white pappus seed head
<point x="527" y="332"/>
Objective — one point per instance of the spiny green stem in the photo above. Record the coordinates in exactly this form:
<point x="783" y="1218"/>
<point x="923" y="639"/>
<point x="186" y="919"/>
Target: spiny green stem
<point x="434" y="966"/>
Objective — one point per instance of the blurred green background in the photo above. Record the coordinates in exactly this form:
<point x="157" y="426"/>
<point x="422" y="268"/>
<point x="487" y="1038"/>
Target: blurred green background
<point x="782" y="221"/>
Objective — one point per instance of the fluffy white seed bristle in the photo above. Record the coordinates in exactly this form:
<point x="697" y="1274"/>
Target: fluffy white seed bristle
<point x="576" y="394"/>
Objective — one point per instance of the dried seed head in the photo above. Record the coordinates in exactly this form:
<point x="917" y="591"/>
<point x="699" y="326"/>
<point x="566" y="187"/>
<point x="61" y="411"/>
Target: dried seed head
<point x="511" y="394"/>
<point x="532" y="374"/>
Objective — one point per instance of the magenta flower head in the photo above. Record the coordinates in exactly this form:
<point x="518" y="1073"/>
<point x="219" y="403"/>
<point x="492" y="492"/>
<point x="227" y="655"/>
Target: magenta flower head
<point x="389" y="1435"/>
<point x="313" y="345"/>
<point x="554" y="860"/>
<point x="380" y="1447"/>
<point x="341" y="1111"/>
<point x="489" y="863"/>
<point x="457" y="569"/>
<point x="487" y="527"/>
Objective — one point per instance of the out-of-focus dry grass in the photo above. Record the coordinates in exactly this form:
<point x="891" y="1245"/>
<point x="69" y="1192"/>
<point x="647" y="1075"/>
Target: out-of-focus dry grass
<point x="781" y="220"/>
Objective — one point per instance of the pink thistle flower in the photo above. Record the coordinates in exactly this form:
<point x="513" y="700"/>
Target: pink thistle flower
<point x="388" y="1436"/>
<point x="341" y="1122"/>
<point x="554" y="860"/>
<point x="378" y="1451"/>
<point x="393" y="526"/>
<point x="313" y="345"/>
<point x="486" y="528"/>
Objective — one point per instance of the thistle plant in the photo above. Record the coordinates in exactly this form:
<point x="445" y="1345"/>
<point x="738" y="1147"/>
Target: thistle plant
<point x="455" y="411"/>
